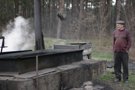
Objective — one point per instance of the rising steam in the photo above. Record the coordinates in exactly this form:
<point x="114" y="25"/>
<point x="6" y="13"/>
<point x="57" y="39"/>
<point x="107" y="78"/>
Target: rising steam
<point x="19" y="35"/>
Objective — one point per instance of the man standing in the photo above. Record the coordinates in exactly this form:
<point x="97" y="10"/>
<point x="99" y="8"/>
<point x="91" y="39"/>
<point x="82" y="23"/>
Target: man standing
<point x="121" y="45"/>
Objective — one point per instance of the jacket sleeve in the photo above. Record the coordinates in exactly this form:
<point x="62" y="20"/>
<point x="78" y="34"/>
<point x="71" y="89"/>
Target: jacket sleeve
<point x="128" y="41"/>
<point x="113" y="34"/>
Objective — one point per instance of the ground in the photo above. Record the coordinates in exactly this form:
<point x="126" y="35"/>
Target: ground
<point x="108" y="78"/>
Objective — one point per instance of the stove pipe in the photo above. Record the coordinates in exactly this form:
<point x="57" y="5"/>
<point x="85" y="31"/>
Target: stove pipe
<point x="39" y="42"/>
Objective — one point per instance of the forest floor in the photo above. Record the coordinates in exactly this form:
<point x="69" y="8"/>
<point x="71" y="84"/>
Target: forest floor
<point x="108" y="78"/>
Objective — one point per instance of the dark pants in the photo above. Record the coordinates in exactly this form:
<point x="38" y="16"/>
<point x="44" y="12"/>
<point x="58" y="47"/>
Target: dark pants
<point x="121" y="60"/>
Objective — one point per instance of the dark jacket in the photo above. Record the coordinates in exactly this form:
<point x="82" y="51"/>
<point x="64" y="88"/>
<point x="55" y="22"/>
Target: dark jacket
<point x="121" y="40"/>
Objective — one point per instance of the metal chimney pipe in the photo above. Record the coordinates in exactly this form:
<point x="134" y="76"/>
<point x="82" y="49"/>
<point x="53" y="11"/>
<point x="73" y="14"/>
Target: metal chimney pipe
<point x="39" y="42"/>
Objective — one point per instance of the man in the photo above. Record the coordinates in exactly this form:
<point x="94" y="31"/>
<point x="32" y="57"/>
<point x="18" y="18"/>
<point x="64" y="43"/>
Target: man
<point x="121" y="45"/>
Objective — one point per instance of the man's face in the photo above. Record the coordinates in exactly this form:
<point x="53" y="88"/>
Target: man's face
<point x="119" y="27"/>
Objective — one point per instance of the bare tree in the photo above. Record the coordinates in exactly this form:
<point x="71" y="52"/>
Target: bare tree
<point x="118" y="9"/>
<point x="60" y="15"/>
<point x="80" y="19"/>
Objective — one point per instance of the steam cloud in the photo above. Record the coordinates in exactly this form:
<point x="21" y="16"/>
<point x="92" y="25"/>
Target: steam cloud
<point x="19" y="35"/>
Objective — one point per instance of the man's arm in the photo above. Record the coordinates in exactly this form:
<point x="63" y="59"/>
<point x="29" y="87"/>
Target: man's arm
<point x="128" y="41"/>
<point x="113" y="34"/>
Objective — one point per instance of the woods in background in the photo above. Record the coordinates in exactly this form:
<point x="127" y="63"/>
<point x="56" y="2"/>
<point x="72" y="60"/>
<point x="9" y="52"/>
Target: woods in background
<point x="84" y="18"/>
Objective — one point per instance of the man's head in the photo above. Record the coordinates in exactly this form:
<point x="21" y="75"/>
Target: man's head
<point x="120" y="25"/>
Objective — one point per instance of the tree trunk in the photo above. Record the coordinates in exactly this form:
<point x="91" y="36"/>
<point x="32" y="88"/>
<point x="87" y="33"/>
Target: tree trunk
<point x="61" y="11"/>
<point x="118" y="10"/>
<point x="80" y="31"/>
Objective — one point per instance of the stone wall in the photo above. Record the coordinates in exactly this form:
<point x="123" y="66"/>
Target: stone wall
<point x="63" y="77"/>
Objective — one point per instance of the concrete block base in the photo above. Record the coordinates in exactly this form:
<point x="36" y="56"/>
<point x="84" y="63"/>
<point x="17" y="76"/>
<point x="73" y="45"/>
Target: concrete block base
<point x="63" y="77"/>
